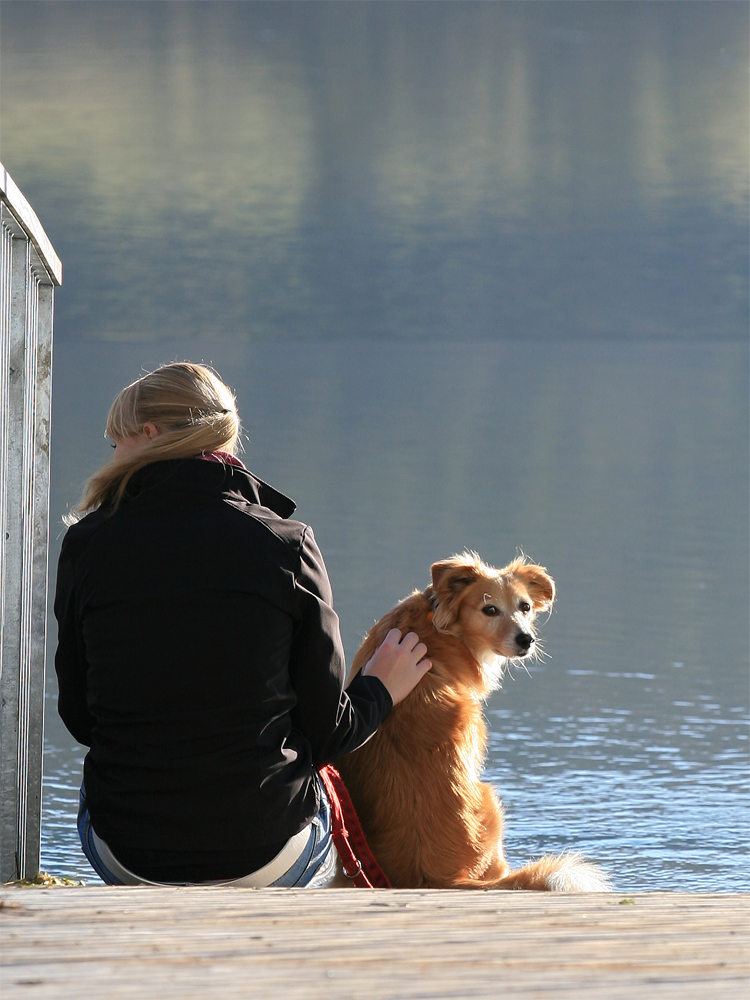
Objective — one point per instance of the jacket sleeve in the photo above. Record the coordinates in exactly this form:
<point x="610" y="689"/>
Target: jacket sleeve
<point x="70" y="659"/>
<point x="334" y="721"/>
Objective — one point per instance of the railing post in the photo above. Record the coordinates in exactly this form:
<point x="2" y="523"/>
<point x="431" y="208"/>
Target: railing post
<point x="29" y="270"/>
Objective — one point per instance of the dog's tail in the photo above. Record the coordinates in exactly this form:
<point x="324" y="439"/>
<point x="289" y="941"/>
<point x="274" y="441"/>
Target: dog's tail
<point x="553" y="873"/>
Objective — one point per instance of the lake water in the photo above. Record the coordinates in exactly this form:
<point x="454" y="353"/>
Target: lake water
<point x="478" y="275"/>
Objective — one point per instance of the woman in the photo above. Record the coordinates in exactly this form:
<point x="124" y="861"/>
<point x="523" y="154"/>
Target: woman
<point x="199" y="655"/>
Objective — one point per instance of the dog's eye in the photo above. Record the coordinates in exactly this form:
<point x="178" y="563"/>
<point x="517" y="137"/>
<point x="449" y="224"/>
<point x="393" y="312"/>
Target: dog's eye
<point x="525" y="607"/>
<point x="490" y="610"/>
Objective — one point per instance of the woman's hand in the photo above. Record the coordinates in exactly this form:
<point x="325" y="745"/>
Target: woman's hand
<point x="399" y="663"/>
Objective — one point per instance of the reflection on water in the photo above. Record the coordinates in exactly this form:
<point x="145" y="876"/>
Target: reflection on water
<point x="478" y="273"/>
<point x="621" y="467"/>
<point x="405" y="170"/>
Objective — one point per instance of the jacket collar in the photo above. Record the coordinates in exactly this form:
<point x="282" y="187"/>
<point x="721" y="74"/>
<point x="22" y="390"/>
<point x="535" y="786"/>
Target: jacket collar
<point x="192" y="473"/>
<point x="258" y="492"/>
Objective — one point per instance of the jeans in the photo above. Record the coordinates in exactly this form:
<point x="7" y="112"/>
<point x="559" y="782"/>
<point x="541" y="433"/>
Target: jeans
<point x="315" y="866"/>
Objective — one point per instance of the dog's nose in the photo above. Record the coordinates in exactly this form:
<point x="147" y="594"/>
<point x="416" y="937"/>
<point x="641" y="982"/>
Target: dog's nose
<point x="524" y="640"/>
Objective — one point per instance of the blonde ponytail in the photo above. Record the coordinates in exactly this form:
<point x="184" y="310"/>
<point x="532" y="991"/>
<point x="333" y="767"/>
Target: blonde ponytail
<point x="194" y="411"/>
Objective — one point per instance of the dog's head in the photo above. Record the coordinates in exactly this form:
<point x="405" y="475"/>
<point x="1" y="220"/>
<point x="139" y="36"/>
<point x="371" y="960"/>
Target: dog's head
<point x="490" y="610"/>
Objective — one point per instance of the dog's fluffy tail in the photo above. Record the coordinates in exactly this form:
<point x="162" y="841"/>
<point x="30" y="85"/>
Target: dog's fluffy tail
<point x="554" y="873"/>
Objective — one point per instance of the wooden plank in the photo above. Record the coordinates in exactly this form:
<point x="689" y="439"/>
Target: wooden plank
<point x="369" y="944"/>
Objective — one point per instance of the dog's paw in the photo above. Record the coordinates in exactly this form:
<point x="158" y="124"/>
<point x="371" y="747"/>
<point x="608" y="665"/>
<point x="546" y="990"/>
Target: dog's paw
<point x="576" y="875"/>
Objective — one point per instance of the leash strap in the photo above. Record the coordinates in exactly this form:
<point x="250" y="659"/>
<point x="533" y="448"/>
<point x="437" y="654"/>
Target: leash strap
<point x="360" y="864"/>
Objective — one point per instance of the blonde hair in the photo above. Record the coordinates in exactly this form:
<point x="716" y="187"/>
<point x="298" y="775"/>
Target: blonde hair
<point x="194" y="411"/>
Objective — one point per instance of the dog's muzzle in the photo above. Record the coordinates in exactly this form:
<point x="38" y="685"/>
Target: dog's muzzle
<point x="524" y="641"/>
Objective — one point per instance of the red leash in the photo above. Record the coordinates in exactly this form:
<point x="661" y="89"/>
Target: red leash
<point x="360" y="864"/>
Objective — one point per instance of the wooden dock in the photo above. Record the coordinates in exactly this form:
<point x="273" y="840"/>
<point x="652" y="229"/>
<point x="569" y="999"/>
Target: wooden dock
<point x="106" y="942"/>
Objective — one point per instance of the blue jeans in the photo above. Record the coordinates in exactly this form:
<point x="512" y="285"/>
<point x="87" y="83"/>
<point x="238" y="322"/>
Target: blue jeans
<point x="315" y="860"/>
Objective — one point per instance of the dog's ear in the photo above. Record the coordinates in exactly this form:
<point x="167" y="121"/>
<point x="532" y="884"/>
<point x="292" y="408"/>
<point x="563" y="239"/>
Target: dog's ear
<point x="540" y="585"/>
<point x="451" y="575"/>
<point x="449" y="580"/>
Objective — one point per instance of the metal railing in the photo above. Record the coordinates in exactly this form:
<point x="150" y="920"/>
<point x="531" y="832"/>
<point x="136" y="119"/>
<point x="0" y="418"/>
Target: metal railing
<point x="29" y="272"/>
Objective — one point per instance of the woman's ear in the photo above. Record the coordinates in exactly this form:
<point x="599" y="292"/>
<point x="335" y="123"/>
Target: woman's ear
<point x="151" y="431"/>
<point x="540" y="585"/>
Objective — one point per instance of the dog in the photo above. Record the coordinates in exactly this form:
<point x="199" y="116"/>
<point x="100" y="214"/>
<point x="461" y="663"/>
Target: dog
<point x="428" y="818"/>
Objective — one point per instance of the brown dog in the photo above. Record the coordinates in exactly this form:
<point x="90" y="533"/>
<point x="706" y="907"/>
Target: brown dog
<point x="416" y="785"/>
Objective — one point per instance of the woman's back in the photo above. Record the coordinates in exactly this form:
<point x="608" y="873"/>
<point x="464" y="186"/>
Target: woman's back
<point x="211" y="647"/>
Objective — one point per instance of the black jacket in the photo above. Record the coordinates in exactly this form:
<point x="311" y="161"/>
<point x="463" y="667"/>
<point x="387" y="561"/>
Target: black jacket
<point x="199" y="658"/>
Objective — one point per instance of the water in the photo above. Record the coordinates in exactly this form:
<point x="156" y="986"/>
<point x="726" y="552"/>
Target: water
<point x="478" y="274"/>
